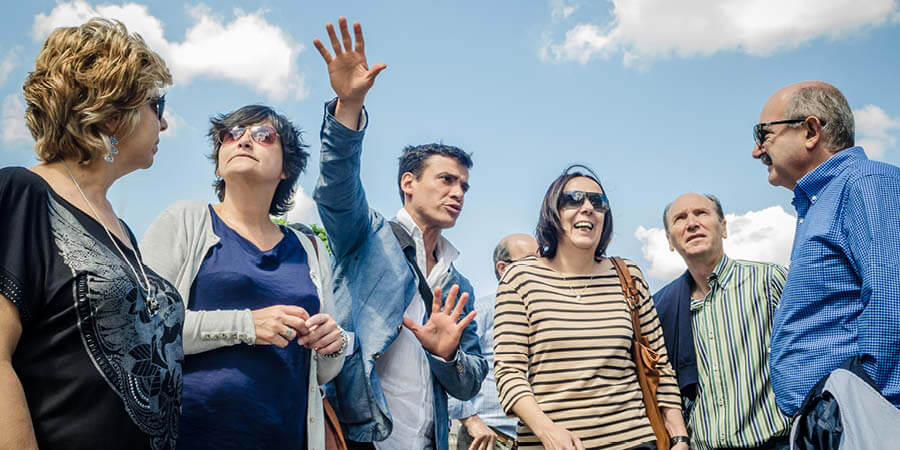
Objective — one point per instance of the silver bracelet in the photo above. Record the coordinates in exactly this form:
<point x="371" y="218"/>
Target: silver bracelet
<point x="345" y="340"/>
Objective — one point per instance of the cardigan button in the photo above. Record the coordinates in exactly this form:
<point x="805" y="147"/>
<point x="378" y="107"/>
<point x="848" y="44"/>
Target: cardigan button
<point x="376" y="355"/>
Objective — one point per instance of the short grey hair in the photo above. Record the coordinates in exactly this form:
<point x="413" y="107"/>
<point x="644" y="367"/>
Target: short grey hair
<point x="501" y="253"/>
<point x="711" y="197"/>
<point x="831" y="108"/>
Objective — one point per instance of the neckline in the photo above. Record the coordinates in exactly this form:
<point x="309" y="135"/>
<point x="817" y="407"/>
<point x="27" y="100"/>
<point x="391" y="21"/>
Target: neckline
<point x="245" y="243"/>
<point x="130" y="249"/>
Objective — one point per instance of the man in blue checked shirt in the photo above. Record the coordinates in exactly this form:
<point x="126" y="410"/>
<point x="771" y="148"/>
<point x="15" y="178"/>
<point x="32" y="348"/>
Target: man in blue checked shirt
<point x="484" y="425"/>
<point x="842" y="296"/>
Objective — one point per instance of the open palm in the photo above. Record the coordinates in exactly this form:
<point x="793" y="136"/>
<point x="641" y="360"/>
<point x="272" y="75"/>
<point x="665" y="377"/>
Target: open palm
<point x="350" y="75"/>
<point x="440" y="335"/>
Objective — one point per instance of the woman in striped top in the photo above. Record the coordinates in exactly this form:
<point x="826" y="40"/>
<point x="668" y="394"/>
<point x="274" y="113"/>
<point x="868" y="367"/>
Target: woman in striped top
<point x="563" y="333"/>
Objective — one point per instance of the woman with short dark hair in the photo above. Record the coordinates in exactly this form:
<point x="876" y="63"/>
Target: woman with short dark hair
<point x="563" y="333"/>
<point x="90" y="338"/>
<point x="258" y="337"/>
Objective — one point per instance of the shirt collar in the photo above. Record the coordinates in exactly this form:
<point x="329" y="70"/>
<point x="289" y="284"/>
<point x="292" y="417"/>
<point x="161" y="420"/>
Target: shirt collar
<point x="444" y="248"/>
<point x="722" y="273"/>
<point x="809" y="185"/>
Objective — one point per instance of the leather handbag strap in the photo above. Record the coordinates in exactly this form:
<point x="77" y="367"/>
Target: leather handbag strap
<point x="628" y="289"/>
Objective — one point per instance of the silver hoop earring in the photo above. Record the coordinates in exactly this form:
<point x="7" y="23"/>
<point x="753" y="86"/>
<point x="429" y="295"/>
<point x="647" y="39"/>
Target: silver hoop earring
<point x="112" y="150"/>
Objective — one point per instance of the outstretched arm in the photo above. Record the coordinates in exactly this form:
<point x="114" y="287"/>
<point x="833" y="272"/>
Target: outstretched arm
<point x="339" y="195"/>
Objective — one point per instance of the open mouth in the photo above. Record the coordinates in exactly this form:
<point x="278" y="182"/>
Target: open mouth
<point x="766" y="159"/>
<point x="583" y="226"/>
<point x="696" y="236"/>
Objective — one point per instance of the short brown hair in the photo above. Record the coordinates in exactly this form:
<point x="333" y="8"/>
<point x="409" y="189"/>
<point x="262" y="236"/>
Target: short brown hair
<point x="83" y="78"/>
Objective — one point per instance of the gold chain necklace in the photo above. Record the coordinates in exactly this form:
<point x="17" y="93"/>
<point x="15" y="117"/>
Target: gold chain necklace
<point x="152" y="303"/>
<point x="572" y="289"/>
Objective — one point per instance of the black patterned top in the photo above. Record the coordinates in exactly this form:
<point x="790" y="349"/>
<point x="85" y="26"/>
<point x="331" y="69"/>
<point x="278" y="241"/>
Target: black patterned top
<point x="99" y="363"/>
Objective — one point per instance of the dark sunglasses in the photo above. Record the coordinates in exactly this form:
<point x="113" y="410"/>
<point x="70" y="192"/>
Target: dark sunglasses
<point x="159" y="105"/>
<point x="261" y="134"/>
<point x="760" y="132"/>
<point x="574" y="200"/>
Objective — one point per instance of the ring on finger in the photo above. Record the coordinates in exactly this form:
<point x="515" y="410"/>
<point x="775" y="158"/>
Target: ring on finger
<point x="287" y="333"/>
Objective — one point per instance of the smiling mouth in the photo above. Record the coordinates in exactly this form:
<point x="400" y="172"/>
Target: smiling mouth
<point x="766" y="159"/>
<point x="583" y="226"/>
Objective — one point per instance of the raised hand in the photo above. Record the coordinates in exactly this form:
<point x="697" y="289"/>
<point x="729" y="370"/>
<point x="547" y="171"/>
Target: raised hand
<point x="350" y="75"/>
<point x="440" y="335"/>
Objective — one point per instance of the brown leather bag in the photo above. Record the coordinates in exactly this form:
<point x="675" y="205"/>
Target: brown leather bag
<point x="645" y="359"/>
<point x="334" y="437"/>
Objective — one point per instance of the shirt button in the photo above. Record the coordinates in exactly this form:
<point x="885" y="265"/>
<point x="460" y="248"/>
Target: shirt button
<point x="814" y="198"/>
<point x="800" y="220"/>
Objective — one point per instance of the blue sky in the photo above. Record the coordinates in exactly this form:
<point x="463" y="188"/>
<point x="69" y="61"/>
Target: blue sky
<point x="659" y="97"/>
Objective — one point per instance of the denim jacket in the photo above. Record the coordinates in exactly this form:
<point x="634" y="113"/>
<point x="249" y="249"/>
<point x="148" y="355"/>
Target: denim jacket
<point x="373" y="285"/>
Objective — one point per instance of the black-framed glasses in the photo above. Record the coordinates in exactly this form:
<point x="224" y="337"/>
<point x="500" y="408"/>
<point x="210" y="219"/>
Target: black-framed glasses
<point x="159" y="105"/>
<point x="574" y="200"/>
<point x="262" y="134"/>
<point x="760" y="132"/>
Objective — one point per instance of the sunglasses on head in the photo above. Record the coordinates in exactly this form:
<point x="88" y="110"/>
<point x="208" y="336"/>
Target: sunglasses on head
<point x="159" y="105"/>
<point x="261" y="134"/>
<point x="574" y="200"/>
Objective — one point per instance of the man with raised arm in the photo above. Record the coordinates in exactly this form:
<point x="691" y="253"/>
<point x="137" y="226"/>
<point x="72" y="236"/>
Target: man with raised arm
<point x="408" y="352"/>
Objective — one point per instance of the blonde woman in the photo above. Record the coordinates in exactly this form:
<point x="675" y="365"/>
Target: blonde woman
<point x="90" y="338"/>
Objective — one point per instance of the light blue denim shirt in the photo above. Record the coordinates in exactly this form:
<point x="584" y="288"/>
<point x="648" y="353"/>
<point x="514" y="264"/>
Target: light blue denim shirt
<point x="373" y="285"/>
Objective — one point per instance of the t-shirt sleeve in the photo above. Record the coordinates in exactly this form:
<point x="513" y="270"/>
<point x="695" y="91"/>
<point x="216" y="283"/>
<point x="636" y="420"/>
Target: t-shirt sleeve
<point x="24" y="245"/>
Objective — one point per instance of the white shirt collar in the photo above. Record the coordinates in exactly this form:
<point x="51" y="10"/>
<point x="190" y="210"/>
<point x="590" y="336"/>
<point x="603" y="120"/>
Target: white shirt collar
<point x="443" y="250"/>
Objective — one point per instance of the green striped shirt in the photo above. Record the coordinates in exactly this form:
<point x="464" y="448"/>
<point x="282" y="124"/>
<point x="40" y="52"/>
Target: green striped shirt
<point x="732" y="327"/>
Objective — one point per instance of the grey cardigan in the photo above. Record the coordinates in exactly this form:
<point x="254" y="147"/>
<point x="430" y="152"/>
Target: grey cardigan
<point x="174" y="247"/>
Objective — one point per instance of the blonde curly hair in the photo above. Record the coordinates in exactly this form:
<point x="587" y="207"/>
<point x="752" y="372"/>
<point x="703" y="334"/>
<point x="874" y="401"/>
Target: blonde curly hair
<point x="85" y="78"/>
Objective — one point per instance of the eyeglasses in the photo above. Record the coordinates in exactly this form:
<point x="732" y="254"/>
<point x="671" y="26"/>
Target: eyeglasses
<point x="159" y="105"/>
<point x="262" y="134"/>
<point x="574" y="200"/>
<point x="760" y="132"/>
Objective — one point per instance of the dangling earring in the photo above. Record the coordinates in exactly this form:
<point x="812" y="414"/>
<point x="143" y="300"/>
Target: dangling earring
<point x="112" y="150"/>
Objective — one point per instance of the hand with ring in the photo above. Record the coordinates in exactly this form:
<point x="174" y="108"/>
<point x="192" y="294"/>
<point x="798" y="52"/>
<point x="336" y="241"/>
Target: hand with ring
<point x="279" y="324"/>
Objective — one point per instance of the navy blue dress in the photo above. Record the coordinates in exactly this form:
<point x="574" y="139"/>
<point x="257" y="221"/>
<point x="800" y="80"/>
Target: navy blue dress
<point x="248" y="397"/>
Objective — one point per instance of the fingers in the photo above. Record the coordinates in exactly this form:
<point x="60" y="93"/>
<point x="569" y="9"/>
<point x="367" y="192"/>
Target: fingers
<point x="335" y="44"/>
<point x="326" y="55"/>
<point x="451" y="297"/>
<point x="459" y="306"/>
<point x="271" y="336"/>
<point x="345" y="34"/>
<point x="411" y="325"/>
<point x="577" y="442"/>
<point x="295" y="311"/>
<point x="319" y="326"/>
<point x="466" y="320"/>
<point x="329" y="343"/>
<point x="357" y="33"/>
<point x="436" y="301"/>
<point x="375" y="70"/>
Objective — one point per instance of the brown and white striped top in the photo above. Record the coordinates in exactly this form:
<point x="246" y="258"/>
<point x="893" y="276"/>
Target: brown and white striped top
<point x="574" y="355"/>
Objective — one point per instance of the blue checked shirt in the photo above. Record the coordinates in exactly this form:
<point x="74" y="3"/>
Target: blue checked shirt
<point x="485" y="403"/>
<point x="842" y="295"/>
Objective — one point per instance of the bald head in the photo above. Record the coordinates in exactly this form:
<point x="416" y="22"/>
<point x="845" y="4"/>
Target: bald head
<point x="815" y="99"/>
<point x="512" y="248"/>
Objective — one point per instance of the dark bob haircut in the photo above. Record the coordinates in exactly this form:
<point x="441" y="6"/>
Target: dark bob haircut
<point x="414" y="157"/>
<point x="549" y="228"/>
<point x="293" y="155"/>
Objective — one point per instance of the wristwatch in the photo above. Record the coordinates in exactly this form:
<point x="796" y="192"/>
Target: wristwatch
<point x="674" y="440"/>
<point x="345" y="340"/>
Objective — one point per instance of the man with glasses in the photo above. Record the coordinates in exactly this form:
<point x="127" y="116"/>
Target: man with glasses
<point x="842" y="295"/>
<point x="717" y="320"/>
<point x="484" y="425"/>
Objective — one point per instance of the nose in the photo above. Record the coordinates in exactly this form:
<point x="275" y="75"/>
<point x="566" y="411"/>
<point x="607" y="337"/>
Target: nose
<point x="457" y="193"/>
<point x="244" y="140"/>
<point x="691" y="221"/>
<point x="163" y="124"/>
<point x="757" y="151"/>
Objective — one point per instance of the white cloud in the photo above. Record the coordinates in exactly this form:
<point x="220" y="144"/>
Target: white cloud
<point x="876" y="131"/>
<point x="647" y="29"/>
<point x="562" y="10"/>
<point x="247" y="50"/>
<point x="9" y="62"/>
<point x="765" y="235"/>
<point x="12" y="121"/>
<point x="304" y="210"/>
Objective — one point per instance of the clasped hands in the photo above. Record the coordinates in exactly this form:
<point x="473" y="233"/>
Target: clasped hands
<point x="278" y="325"/>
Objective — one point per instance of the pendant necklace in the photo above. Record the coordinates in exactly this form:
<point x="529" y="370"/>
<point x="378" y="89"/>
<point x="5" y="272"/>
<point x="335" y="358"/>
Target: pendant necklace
<point x="572" y="289"/>
<point x="152" y="303"/>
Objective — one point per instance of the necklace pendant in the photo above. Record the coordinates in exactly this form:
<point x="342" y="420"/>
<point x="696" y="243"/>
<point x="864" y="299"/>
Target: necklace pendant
<point x="152" y="306"/>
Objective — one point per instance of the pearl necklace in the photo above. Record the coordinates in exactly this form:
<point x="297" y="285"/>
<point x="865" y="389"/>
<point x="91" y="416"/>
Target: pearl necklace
<point x="152" y="303"/>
